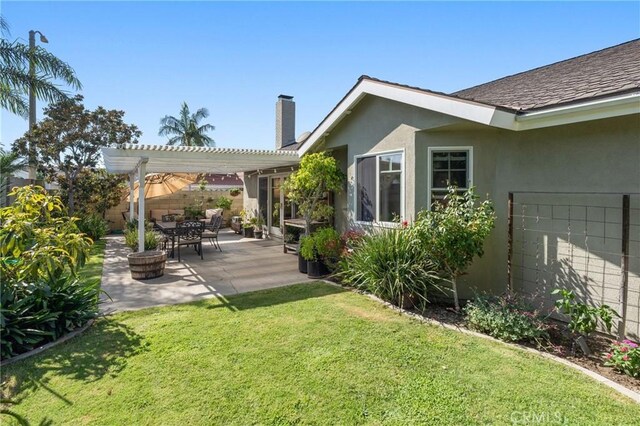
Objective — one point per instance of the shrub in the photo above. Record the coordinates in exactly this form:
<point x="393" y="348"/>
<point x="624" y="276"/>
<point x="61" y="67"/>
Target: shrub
<point x="390" y="263"/>
<point x="506" y="318"/>
<point x="41" y="252"/>
<point x="351" y="238"/>
<point x="193" y="211"/>
<point x="453" y="233"/>
<point x="94" y="226"/>
<point x="324" y="245"/>
<point x="37" y="239"/>
<point x="132" y="225"/>
<point x="150" y="239"/>
<point x="625" y="357"/>
<point x="329" y="246"/>
<point x="583" y="319"/>
<point x="34" y="314"/>
<point x="223" y="203"/>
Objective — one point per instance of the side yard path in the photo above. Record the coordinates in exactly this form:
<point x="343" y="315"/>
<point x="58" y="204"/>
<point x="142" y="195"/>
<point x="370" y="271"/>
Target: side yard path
<point x="308" y="354"/>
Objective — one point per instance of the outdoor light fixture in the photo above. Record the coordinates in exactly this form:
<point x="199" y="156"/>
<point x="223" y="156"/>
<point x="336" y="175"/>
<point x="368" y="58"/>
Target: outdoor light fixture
<point x="32" y="99"/>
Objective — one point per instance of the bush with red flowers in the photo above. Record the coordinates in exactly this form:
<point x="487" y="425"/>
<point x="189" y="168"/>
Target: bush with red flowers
<point x="625" y="357"/>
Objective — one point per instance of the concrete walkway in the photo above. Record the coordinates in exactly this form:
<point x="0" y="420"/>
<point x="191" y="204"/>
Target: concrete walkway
<point x="244" y="265"/>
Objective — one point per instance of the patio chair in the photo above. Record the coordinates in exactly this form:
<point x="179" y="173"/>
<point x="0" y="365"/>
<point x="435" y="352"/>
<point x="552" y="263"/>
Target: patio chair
<point x="189" y="233"/>
<point x="211" y="231"/>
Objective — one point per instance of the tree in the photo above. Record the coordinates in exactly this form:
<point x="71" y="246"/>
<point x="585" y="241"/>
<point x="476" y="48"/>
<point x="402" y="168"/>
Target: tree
<point x="15" y="78"/>
<point x="186" y="129"/>
<point x="10" y="163"/>
<point x="68" y="141"/>
<point x="454" y="233"/>
<point x="96" y="191"/>
<point x="318" y="173"/>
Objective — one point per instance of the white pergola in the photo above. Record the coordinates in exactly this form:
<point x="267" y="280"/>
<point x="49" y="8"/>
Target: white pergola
<point x="133" y="159"/>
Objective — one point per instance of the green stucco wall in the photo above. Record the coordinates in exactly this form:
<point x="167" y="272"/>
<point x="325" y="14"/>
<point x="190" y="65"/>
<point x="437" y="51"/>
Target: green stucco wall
<point x="596" y="156"/>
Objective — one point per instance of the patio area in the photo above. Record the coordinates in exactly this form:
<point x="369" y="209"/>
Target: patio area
<point x="244" y="265"/>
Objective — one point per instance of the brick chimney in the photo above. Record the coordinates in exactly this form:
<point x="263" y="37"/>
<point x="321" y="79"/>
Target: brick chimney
<point x="285" y="121"/>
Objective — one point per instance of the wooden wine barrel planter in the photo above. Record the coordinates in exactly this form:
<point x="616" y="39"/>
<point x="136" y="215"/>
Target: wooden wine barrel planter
<point x="147" y="265"/>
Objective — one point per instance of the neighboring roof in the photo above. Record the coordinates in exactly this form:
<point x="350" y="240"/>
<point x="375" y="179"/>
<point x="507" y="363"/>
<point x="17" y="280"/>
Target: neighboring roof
<point x="220" y="179"/>
<point x="614" y="70"/>
<point x="186" y="159"/>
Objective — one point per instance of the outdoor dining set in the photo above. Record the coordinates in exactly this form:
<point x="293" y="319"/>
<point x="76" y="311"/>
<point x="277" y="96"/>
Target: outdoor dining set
<point x="188" y="233"/>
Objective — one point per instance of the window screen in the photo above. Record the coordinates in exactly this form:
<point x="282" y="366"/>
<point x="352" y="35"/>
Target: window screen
<point x="366" y="195"/>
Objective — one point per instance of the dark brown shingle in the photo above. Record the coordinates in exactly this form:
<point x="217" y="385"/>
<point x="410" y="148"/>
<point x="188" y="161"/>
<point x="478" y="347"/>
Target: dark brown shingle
<point x="605" y="72"/>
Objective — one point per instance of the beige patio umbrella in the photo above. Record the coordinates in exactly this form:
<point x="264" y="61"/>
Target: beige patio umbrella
<point x="160" y="184"/>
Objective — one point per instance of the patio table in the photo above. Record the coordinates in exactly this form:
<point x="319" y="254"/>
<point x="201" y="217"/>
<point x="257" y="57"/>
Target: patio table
<point x="169" y="230"/>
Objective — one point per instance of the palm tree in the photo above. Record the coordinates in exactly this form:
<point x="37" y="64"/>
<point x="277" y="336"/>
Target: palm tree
<point x="10" y="163"/>
<point x="186" y="129"/>
<point x="15" y="79"/>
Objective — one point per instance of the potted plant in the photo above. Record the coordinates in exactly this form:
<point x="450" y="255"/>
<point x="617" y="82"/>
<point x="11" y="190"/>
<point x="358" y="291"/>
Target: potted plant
<point x="247" y="228"/>
<point x="258" y="227"/>
<point x="224" y="203"/>
<point x="148" y="263"/>
<point x="309" y="252"/>
<point x="306" y="187"/>
<point x="329" y="246"/>
<point x="194" y="212"/>
<point x="318" y="174"/>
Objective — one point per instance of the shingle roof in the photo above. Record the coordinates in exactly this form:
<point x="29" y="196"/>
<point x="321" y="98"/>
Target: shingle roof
<point x="605" y="72"/>
<point x="291" y="147"/>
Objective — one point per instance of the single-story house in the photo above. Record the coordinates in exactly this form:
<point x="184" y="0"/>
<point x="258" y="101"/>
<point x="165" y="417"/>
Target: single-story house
<point x="562" y="139"/>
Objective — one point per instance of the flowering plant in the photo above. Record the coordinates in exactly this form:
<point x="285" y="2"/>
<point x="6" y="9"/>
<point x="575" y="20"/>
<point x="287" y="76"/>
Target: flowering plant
<point x="625" y="357"/>
<point x="351" y="238"/>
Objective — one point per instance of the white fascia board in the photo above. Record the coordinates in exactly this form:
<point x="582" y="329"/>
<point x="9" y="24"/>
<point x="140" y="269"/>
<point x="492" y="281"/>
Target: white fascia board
<point x="475" y="112"/>
<point x="585" y="111"/>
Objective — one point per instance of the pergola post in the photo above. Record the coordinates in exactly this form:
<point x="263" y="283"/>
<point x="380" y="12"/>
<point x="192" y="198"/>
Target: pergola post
<point x="132" y="178"/>
<point x="142" y="171"/>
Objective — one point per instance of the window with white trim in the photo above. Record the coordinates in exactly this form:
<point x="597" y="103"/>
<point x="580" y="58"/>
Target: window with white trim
<point x="449" y="166"/>
<point x="379" y="183"/>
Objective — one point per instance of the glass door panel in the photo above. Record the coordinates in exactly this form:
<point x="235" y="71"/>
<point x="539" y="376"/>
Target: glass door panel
<point x="276" y="205"/>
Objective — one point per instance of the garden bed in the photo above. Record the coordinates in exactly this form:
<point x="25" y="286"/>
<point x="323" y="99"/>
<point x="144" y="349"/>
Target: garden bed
<point x="560" y="345"/>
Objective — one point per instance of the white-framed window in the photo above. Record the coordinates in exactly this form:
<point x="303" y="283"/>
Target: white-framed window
<point x="379" y="194"/>
<point x="452" y="165"/>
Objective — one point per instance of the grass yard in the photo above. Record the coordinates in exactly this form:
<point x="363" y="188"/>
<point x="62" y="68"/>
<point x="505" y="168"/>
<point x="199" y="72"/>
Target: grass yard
<point x="305" y="354"/>
<point x="92" y="270"/>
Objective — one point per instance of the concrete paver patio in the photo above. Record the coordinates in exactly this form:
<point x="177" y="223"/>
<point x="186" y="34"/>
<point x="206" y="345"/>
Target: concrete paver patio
<point x="244" y="265"/>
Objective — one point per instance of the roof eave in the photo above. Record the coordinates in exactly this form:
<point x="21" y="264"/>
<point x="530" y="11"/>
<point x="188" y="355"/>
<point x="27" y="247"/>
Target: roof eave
<point x="456" y="107"/>
<point x="613" y="106"/>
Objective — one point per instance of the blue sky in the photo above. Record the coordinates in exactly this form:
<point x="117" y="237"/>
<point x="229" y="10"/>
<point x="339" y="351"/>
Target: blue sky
<point x="146" y="58"/>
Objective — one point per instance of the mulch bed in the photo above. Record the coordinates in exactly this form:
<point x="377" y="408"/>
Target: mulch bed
<point x="560" y="344"/>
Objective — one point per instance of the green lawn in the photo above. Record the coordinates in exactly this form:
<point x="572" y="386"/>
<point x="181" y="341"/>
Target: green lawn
<point x="307" y="354"/>
<point x="92" y="270"/>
